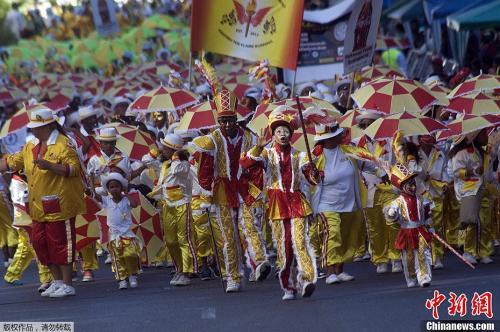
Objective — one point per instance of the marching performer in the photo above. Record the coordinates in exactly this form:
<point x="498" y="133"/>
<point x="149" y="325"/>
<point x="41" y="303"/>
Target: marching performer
<point x="337" y="202"/>
<point x="123" y="245"/>
<point x="412" y="212"/>
<point x="469" y="161"/>
<point x="287" y="206"/>
<point x="25" y="252"/>
<point x="56" y="196"/>
<point x="220" y="176"/>
<point x="433" y="182"/>
<point x="175" y="185"/>
<point x="381" y="235"/>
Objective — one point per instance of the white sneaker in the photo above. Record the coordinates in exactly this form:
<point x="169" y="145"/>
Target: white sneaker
<point x="308" y="289"/>
<point x="289" y="295"/>
<point x="52" y="288"/>
<point x="43" y="287"/>
<point x="251" y="277"/>
<point x="344" y="276"/>
<point x="367" y="256"/>
<point x="382" y="268"/>
<point x="496" y="243"/>
<point x="411" y="284"/>
<point x="486" y="260"/>
<point x="232" y="287"/>
<point x="132" y="280"/>
<point x="122" y="284"/>
<point x="425" y="283"/>
<point x="6" y="264"/>
<point x="358" y="259"/>
<point x="397" y="266"/>
<point x="262" y="271"/>
<point x="99" y="252"/>
<point x="332" y="279"/>
<point x="183" y="281"/>
<point x="63" y="291"/>
<point x="173" y="282"/>
<point x="438" y="264"/>
<point x="469" y="258"/>
<point x="108" y="259"/>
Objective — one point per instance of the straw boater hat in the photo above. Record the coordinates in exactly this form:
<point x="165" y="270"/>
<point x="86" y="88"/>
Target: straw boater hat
<point x="114" y="176"/>
<point x="107" y="134"/>
<point x="40" y="118"/>
<point x="363" y="115"/>
<point x="324" y="132"/>
<point x="172" y="141"/>
<point x="87" y="112"/>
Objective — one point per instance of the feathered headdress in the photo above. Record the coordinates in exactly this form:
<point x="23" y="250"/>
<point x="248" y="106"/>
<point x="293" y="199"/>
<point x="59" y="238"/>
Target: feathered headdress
<point x="225" y="100"/>
<point x="260" y="73"/>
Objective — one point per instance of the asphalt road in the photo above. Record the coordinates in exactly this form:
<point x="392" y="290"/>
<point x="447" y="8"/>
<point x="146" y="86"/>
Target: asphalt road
<point x="370" y="303"/>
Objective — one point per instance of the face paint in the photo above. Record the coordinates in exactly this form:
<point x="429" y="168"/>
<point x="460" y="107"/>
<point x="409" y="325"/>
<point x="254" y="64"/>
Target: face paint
<point x="282" y="135"/>
<point x="409" y="187"/>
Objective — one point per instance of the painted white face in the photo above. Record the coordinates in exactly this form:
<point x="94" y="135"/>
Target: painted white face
<point x="282" y="135"/>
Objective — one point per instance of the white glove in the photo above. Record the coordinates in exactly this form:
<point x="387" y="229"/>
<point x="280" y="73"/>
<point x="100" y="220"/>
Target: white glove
<point x="391" y="212"/>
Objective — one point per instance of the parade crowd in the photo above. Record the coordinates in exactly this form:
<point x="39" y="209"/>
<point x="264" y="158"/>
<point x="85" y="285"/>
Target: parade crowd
<point x="238" y="192"/>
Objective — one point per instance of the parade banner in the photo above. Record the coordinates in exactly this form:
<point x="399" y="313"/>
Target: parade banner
<point x="249" y="29"/>
<point x="361" y="35"/>
<point x="322" y="43"/>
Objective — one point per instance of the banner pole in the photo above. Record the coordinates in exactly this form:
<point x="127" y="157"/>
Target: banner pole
<point x="190" y="68"/>
<point x="293" y="82"/>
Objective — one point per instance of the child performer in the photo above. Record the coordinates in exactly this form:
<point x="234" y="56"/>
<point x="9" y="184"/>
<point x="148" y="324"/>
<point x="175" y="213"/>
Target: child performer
<point x="412" y="212"/>
<point x="123" y="245"/>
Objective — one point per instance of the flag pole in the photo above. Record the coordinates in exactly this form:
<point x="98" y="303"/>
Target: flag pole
<point x="190" y="68"/>
<point x="293" y="82"/>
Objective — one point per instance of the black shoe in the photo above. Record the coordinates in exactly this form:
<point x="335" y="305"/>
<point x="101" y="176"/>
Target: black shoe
<point x="205" y="273"/>
<point x="215" y="270"/>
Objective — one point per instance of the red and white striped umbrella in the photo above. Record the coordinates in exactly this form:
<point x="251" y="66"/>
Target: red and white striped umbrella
<point x="131" y="141"/>
<point x="164" y="99"/>
<point x="11" y="95"/>
<point x="204" y="116"/>
<point x="476" y="103"/>
<point x="239" y="89"/>
<point x="20" y="119"/>
<point x="392" y="95"/>
<point x="410" y="124"/>
<point x="478" y="83"/>
<point x="86" y="225"/>
<point x="441" y="94"/>
<point x="468" y="123"/>
<point x="370" y="73"/>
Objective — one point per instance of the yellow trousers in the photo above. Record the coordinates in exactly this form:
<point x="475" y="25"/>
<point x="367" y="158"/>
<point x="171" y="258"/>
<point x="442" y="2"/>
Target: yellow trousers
<point x="267" y="233"/>
<point x="439" y="225"/>
<point x="22" y="259"/>
<point x="344" y="234"/>
<point x="452" y="217"/>
<point x="89" y="257"/>
<point x="224" y="223"/>
<point x="203" y="238"/>
<point x="293" y="246"/>
<point x="315" y="235"/>
<point x="277" y="233"/>
<point x="179" y="237"/>
<point x="484" y="232"/>
<point x="381" y="236"/>
<point x="417" y="263"/>
<point x="125" y="256"/>
<point x="250" y="224"/>
<point x="8" y="234"/>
